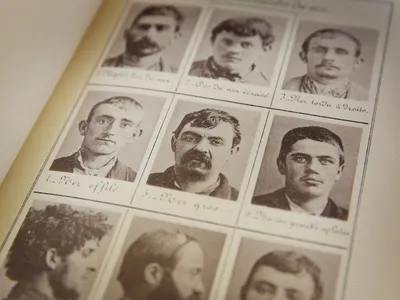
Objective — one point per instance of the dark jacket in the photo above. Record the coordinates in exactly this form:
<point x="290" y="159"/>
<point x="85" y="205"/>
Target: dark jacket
<point x="167" y="180"/>
<point x="68" y="163"/>
<point x="278" y="200"/>
<point x="21" y="291"/>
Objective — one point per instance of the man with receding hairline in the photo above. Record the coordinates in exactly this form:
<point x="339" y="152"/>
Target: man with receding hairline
<point x="111" y="124"/>
<point x="332" y="55"/>
<point x="311" y="159"/>
<point x="153" y="30"/>
<point x="283" y="275"/>
<point x="203" y="143"/>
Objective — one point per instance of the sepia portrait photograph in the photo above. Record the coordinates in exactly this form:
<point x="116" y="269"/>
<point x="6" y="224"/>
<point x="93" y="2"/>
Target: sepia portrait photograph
<point x="57" y="252"/>
<point x="331" y="60"/>
<point x="239" y="46"/>
<point x="205" y="149"/>
<point x="109" y="135"/>
<point x="268" y="270"/>
<point x="308" y="167"/>
<point x="162" y="260"/>
<point x="153" y="37"/>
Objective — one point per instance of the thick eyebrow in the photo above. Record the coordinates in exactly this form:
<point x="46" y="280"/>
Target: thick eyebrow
<point x="190" y="132"/>
<point x="127" y="120"/>
<point x="308" y="155"/>
<point x="108" y="117"/>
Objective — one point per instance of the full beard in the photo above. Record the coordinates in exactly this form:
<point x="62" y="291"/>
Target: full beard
<point x="195" y="165"/>
<point x="60" y="290"/>
<point x="139" y="47"/>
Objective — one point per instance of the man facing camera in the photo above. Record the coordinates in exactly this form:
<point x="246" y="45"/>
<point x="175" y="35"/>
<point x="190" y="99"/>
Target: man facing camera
<point x="283" y="275"/>
<point x="203" y="143"/>
<point x="54" y="253"/>
<point x="152" y="31"/>
<point x="110" y="125"/>
<point x="163" y="265"/>
<point x="312" y="160"/>
<point x="237" y="46"/>
<point x="331" y="55"/>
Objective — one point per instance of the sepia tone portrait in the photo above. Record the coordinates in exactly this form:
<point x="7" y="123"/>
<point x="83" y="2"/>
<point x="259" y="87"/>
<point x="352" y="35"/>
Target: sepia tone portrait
<point x="153" y="37"/>
<point x="308" y="167"/>
<point x="205" y="150"/>
<point x="266" y="270"/>
<point x="109" y="135"/>
<point x="162" y="260"/>
<point x="239" y="47"/>
<point x="330" y="60"/>
<point x="57" y="252"/>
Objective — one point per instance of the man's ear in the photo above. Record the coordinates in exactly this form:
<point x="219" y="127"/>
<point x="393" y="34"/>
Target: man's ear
<point x="339" y="172"/>
<point x="359" y="62"/>
<point x="153" y="274"/>
<point x="83" y="126"/>
<point x="173" y="143"/>
<point x="135" y="135"/>
<point x="281" y="166"/>
<point x="303" y="56"/>
<point x="52" y="259"/>
<point x="235" y="150"/>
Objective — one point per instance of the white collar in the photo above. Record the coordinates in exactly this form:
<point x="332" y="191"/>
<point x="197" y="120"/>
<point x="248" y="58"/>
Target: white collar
<point x="100" y="172"/>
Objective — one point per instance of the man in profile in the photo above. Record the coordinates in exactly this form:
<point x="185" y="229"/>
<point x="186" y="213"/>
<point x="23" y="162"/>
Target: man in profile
<point x="312" y="160"/>
<point x="283" y="275"/>
<point x="331" y="55"/>
<point x="151" y="32"/>
<point x="111" y="124"/>
<point x="203" y="143"/>
<point x="163" y="265"/>
<point x="54" y="253"/>
<point x="237" y="44"/>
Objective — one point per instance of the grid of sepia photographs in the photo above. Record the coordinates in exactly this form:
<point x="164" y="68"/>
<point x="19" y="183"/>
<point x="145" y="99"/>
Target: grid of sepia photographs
<point x="217" y="152"/>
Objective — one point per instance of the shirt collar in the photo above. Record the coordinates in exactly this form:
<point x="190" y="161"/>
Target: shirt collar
<point x="157" y="65"/>
<point x="311" y="86"/>
<point x="206" y="191"/>
<point x="220" y="73"/>
<point x="100" y="172"/>
<point x="297" y="208"/>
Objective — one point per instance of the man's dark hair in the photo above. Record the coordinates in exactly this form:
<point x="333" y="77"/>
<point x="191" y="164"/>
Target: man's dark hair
<point x="246" y="27"/>
<point x="158" y="246"/>
<point x="315" y="133"/>
<point x="210" y="118"/>
<point x="119" y="101"/>
<point x="288" y="262"/>
<point x="162" y="10"/>
<point x="57" y="226"/>
<point x="329" y="33"/>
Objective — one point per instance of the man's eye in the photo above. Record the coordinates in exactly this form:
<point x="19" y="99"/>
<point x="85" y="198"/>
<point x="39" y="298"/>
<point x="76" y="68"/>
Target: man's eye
<point x="103" y="121"/>
<point x="319" y="50"/>
<point x="341" y="52"/>
<point x="144" y="27"/>
<point x="227" y="42"/>
<point x="125" y="125"/>
<point x="162" y="27"/>
<point x="188" y="138"/>
<point x="264" y="289"/>
<point x="326" y="161"/>
<point x="300" y="159"/>
<point x="217" y="142"/>
<point x="246" y="45"/>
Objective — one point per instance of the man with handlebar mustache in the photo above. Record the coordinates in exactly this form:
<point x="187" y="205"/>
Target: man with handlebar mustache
<point x="203" y="143"/>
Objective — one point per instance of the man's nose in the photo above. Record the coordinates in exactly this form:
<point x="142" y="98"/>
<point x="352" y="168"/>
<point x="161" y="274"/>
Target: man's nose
<point x="235" y="48"/>
<point x="202" y="145"/>
<point x="330" y="54"/>
<point x="151" y="33"/>
<point x="198" y="288"/>
<point x="111" y="128"/>
<point x="313" y="165"/>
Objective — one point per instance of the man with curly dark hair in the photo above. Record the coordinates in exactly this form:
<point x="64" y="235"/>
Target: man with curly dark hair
<point x="54" y="252"/>
<point x="237" y="45"/>
<point x="203" y="143"/>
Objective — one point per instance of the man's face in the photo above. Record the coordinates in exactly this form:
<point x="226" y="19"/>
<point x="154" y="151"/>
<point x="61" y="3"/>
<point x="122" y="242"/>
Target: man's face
<point x="331" y="57"/>
<point x="202" y="151"/>
<point x="236" y="54"/>
<point x="268" y="283"/>
<point x="185" y="281"/>
<point x="150" y="35"/>
<point x="310" y="169"/>
<point x="112" y="127"/>
<point x="67" y="280"/>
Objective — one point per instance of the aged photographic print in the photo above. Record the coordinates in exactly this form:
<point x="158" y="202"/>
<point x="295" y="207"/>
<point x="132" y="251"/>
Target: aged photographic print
<point x="240" y="47"/>
<point x="57" y="252"/>
<point x="109" y="135"/>
<point x="331" y="60"/>
<point x="162" y="260"/>
<point x="205" y="149"/>
<point x="154" y="37"/>
<point x="308" y="167"/>
<point x="267" y="270"/>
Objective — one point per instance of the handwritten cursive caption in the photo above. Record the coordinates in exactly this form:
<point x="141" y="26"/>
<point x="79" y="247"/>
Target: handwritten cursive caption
<point x="132" y="75"/>
<point x="101" y="186"/>
<point x="297" y="5"/>
<point x="314" y="226"/>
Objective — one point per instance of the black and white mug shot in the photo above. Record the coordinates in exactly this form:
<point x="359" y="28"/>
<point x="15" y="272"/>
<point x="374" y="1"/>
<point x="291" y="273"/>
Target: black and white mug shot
<point x="110" y="125"/>
<point x="163" y="264"/>
<point x="56" y="253"/>
<point x="283" y="275"/>
<point x="311" y="159"/>
<point x="331" y="56"/>
<point x="202" y="144"/>
<point x="237" y="45"/>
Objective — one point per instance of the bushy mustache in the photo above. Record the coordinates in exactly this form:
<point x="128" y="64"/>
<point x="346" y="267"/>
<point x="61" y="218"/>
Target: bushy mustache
<point x="198" y="156"/>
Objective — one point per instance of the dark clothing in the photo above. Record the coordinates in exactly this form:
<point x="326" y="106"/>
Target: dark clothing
<point x="167" y="180"/>
<point x="120" y="62"/>
<point x="278" y="200"/>
<point x="118" y="171"/>
<point x="21" y="291"/>
<point x="209" y="69"/>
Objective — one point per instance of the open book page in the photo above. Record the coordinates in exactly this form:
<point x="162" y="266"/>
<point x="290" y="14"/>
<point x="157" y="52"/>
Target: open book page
<point x="203" y="150"/>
